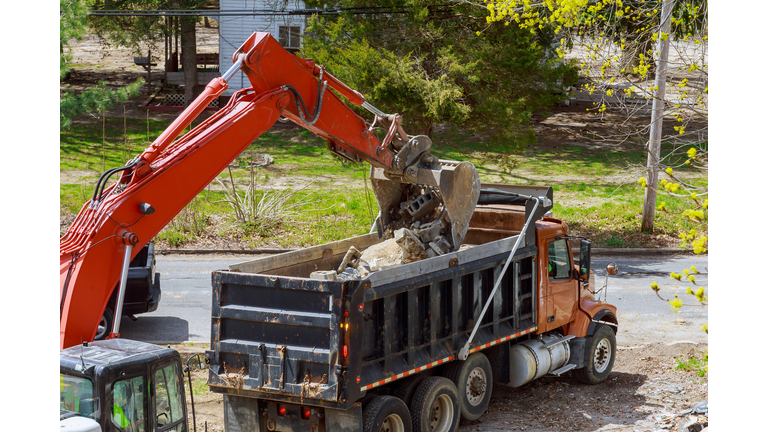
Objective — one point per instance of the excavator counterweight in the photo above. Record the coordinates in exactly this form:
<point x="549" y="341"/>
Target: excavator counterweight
<point x="413" y="188"/>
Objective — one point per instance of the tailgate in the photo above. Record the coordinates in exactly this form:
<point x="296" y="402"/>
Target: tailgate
<point x="275" y="334"/>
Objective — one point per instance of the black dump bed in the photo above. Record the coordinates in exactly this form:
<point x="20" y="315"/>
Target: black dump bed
<point x="277" y="334"/>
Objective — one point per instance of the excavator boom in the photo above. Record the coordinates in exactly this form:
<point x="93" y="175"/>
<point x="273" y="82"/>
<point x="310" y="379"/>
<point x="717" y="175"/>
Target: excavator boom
<point x="410" y="184"/>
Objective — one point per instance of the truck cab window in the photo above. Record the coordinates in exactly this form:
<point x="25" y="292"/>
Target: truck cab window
<point x="168" y="402"/>
<point x="128" y="404"/>
<point x="559" y="260"/>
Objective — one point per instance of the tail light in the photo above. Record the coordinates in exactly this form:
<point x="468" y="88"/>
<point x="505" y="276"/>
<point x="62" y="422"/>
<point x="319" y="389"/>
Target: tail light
<point x="281" y="410"/>
<point x="305" y="413"/>
<point x="344" y="350"/>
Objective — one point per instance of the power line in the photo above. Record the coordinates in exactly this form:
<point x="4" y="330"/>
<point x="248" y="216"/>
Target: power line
<point x="254" y="12"/>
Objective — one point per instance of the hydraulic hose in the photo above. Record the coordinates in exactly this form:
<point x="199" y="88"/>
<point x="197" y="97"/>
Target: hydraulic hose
<point x="302" y="109"/>
<point x="104" y="178"/>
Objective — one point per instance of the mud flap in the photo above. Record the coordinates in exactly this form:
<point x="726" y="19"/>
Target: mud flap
<point x="241" y="414"/>
<point x="577" y="346"/>
<point x="350" y="420"/>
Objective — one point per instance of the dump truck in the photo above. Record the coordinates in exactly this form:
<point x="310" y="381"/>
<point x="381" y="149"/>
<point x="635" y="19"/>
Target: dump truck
<point x="413" y="347"/>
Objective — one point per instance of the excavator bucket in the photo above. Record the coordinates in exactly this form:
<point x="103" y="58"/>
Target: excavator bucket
<point x="434" y="203"/>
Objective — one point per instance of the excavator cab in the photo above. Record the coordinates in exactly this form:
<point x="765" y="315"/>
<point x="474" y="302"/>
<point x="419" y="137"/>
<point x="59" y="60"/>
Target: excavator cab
<point x="120" y="385"/>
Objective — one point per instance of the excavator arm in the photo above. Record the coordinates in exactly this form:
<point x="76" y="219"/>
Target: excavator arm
<point x="411" y="185"/>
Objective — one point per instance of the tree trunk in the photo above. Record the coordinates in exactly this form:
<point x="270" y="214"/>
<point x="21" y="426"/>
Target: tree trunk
<point x="189" y="58"/>
<point x="657" y="117"/>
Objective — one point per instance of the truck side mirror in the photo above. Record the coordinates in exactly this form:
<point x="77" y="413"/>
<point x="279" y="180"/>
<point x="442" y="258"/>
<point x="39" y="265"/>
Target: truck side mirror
<point x="585" y="257"/>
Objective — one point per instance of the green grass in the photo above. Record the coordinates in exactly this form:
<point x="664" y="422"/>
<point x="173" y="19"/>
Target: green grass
<point x="91" y="146"/>
<point x="200" y="387"/>
<point x="592" y="191"/>
<point x="699" y="365"/>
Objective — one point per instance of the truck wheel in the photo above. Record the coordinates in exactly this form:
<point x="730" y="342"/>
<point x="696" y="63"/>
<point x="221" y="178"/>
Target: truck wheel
<point x="105" y="325"/>
<point x="407" y="387"/>
<point x="386" y="414"/>
<point x="599" y="354"/>
<point x="435" y="406"/>
<point x="474" y="381"/>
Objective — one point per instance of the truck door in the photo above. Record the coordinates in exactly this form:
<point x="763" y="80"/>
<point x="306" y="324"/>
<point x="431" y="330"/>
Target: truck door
<point x="168" y="398"/>
<point x="562" y="289"/>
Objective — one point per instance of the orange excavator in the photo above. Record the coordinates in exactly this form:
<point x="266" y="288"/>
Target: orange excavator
<point x="412" y="187"/>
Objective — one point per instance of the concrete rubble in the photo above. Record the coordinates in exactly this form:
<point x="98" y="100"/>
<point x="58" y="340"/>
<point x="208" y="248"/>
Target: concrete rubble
<point x="405" y="246"/>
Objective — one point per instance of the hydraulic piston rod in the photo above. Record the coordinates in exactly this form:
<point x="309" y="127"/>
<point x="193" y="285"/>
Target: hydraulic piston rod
<point x="121" y="293"/>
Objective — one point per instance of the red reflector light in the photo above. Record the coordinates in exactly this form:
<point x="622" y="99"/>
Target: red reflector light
<point x="305" y="413"/>
<point x="360" y="307"/>
<point x="344" y="350"/>
<point x="357" y="379"/>
<point x="281" y="410"/>
<point x="346" y="313"/>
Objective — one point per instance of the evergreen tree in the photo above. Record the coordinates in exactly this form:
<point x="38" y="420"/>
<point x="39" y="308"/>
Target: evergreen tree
<point x="427" y="61"/>
<point x="72" y="25"/>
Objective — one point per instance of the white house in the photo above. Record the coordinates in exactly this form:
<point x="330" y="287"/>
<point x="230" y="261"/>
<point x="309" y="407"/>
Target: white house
<point x="234" y="30"/>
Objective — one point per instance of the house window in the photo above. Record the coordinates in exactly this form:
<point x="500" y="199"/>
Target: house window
<point x="290" y="37"/>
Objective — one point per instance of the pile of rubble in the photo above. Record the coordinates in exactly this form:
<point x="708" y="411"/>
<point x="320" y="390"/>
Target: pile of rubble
<point x="405" y="246"/>
<point x="691" y="420"/>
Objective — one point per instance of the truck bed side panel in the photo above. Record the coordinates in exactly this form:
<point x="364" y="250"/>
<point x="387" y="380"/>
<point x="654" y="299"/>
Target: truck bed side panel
<point x="422" y="322"/>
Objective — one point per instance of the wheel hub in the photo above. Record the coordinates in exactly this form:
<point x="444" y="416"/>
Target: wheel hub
<point x="393" y="423"/>
<point x="441" y="416"/>
<point x="476" y="386"/>
<point x="602" y="355"/>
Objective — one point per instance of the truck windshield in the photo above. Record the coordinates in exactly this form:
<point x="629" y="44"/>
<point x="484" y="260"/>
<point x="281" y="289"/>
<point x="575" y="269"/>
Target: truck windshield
<point x="76" y="397"/>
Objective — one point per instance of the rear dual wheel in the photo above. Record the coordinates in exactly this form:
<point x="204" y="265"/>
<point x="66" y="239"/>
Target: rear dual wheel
<point x="435" y="406"/>
<point x="474" y="380"/>
<point x="407" y="387"/>
<point x="386" y="414"/>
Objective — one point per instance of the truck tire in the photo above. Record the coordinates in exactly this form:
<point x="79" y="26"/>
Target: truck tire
<point x="406" y="388"/>
<point x="105" y="325"/>
<point x="599" y="354"/>
<point x="474" y="381"/>
<point x="435" y="406"/>
<point x="386" y="414"/>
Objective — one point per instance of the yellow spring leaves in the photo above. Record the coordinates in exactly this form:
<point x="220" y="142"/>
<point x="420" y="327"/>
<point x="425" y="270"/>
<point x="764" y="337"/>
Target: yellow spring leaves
<point x="676" y="303"/>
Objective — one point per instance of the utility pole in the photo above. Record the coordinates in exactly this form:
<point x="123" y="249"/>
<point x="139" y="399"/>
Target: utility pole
<point x="657" y="119"/>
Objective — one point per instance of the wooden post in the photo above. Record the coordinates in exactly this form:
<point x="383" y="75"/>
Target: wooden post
<point x="657" y="118"/>
<point x="149" y="72"/>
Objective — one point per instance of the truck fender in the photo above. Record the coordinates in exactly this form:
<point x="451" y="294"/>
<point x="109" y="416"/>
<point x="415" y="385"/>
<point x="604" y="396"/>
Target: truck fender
<point x="585" y="325"/>
<point x="589" y="314"/>
<point x="605" y="316"/>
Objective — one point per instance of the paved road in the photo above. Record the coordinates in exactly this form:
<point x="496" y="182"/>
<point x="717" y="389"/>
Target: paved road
<point x="184" y="313"/>
<point x="643" y="317"/>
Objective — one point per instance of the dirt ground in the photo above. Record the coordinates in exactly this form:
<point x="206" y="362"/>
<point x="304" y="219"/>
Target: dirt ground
<point x="644" y="393"/>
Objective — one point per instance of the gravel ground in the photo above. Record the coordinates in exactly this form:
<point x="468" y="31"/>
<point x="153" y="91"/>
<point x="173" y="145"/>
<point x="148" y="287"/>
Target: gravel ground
<point x="644" y="393"/>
